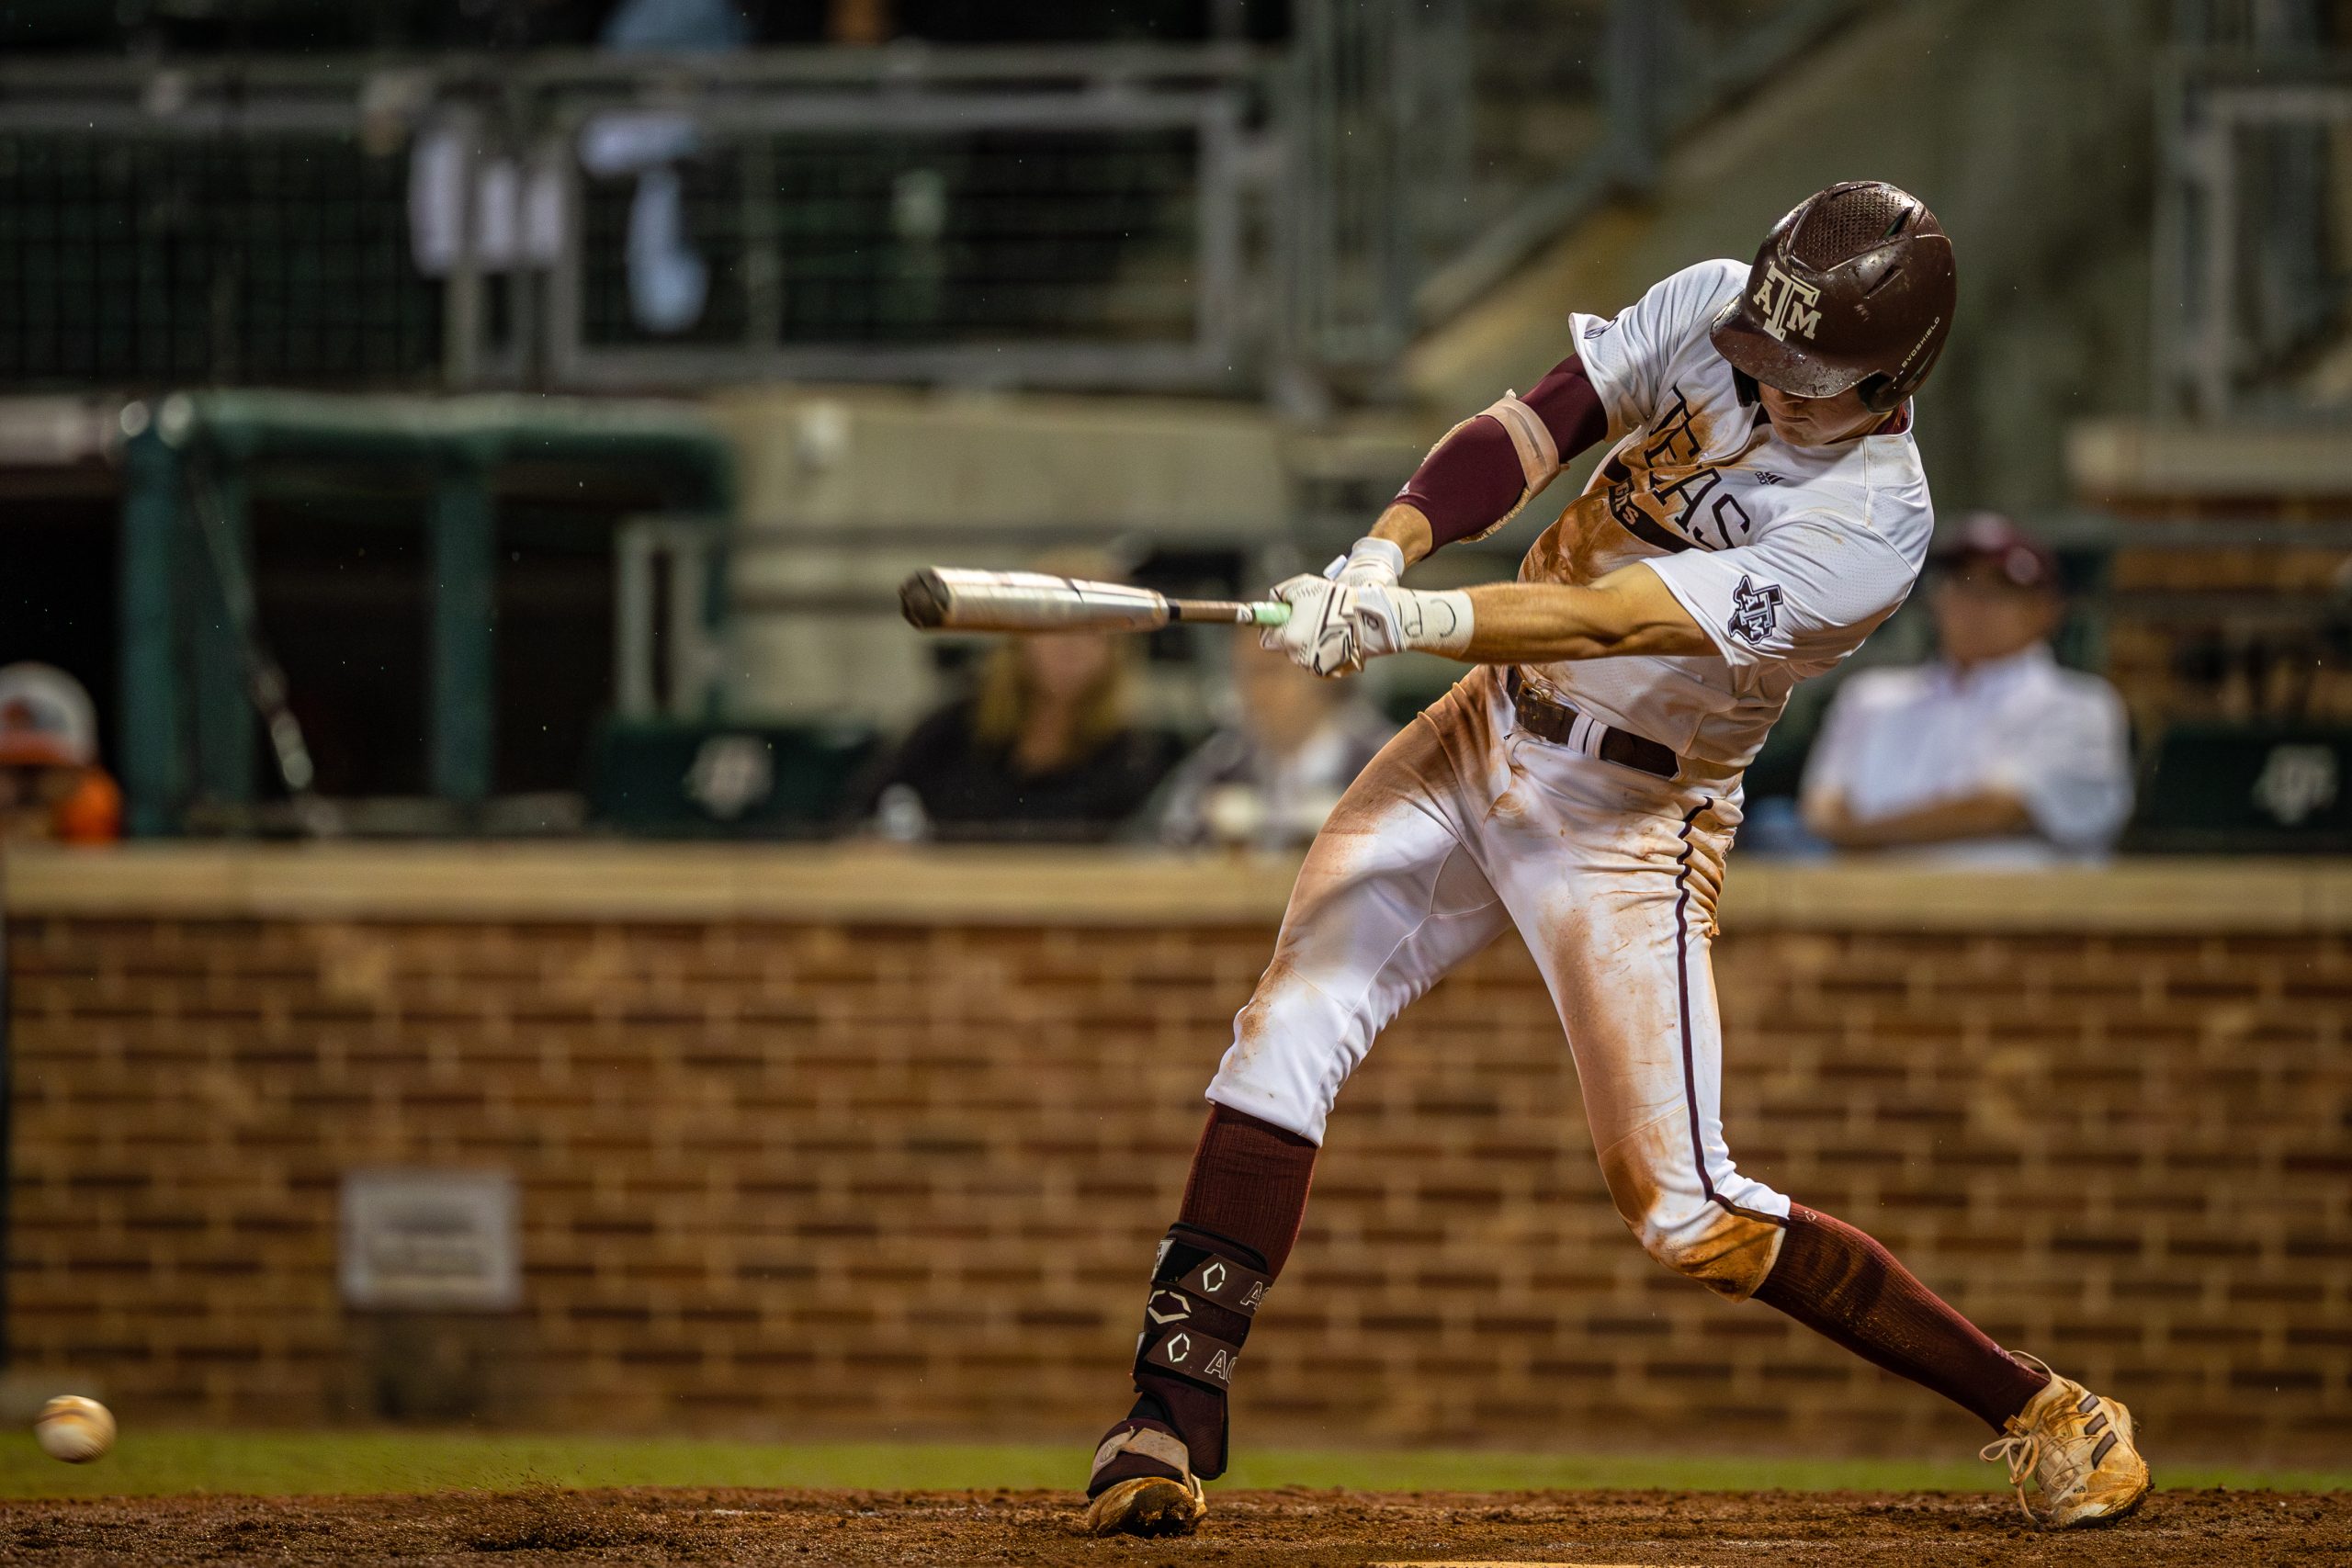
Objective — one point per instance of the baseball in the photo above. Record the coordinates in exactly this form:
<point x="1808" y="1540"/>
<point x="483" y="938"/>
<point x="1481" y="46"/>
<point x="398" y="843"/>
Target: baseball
<point x="74" y="1429"/>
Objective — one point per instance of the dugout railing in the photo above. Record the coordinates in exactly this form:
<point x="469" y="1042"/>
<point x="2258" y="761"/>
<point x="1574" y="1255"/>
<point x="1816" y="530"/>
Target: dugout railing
<point x="2252" y="303"/>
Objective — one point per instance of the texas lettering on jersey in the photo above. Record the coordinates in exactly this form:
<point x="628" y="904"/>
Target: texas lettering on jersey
<point x="1674" y="500"/>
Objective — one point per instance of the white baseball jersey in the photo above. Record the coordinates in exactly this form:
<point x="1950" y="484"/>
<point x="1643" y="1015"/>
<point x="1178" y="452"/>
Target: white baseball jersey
<point x="1788" y="556"/>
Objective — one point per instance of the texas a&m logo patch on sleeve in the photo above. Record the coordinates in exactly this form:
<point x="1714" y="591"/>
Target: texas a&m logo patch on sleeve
<point x="1755" y="611"/>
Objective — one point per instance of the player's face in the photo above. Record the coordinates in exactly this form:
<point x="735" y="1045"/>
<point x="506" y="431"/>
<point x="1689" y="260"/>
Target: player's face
<point x="1817" y="421"/>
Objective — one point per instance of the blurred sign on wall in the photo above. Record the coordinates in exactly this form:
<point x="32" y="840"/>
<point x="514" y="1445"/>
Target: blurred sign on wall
<point x="2247" y="789"/>
<point x="436" y="1240"/>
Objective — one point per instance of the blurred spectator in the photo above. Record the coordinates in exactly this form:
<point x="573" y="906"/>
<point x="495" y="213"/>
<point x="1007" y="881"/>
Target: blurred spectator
<point x="1993" y="753"/>
<point x="676" y="25"/>
<point x="1047" y="748"/>
<point x="668" y="282"/>
<point x="51" y="784"/>
<point x="1271" y="775"/>
<point x="858" y="21"/>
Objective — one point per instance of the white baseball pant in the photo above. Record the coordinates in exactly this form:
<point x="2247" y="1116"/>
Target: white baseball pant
<point x="1461" y="827"/>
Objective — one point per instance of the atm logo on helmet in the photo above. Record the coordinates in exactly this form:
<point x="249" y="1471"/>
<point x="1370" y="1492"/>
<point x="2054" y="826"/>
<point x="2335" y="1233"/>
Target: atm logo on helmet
<point x="1783" y="303"/>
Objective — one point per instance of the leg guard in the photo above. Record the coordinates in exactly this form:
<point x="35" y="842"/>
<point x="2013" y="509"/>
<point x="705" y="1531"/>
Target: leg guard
<point x="1205" y="1290"/>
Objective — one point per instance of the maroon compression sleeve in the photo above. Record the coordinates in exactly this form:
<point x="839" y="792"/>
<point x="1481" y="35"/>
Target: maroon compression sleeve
<point x="1839" y="1283"/>
<point x="1467" y="485"/>
<point x="1248" y="1183"/>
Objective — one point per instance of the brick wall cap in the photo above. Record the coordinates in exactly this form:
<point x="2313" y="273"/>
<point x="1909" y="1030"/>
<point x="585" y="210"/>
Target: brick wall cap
<point x="895" y="886"/>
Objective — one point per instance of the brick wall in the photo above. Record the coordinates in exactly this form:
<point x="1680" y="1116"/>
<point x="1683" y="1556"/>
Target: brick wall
<point x="828" y="1178"/>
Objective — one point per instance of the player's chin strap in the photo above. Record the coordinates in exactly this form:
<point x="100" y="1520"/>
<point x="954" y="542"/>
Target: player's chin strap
<point x="1538" y="455"/>
<point x="1205" y="1291"/>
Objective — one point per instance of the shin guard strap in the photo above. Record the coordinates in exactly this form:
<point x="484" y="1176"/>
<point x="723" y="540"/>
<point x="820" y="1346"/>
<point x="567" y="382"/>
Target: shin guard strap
<point x="1150" y="1442"/>
<point x="1222" y="1282"/>
<point x="1206" y="1288"/>
<point x="1190" y="1354"/>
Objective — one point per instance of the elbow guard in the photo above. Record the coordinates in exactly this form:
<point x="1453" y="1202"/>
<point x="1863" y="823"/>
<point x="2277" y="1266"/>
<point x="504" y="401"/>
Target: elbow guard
<point x="1480" y="476"/>
<point x="1461" y="482"/>
<point x="1538" y="455"/>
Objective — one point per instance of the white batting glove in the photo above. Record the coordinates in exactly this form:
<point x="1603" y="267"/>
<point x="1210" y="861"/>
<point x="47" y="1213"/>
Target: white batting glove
<point x="1370" y="563"/>
<point x="1391" y="620"/>
<point x="1320" y="634"/>
<point x="1333" y="628"/>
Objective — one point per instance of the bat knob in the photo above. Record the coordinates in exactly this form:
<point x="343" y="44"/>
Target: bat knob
<point x="923" y="599"/>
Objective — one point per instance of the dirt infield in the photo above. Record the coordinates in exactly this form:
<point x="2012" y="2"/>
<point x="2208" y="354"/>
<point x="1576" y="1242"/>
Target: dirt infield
<point x="1296" y="1527"/>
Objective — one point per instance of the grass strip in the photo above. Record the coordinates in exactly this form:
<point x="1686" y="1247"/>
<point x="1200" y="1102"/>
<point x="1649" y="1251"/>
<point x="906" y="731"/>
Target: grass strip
<point x="160" y="1463"/>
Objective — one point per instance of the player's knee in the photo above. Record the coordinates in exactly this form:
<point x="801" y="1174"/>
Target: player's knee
<point x="1700" y="1239"/>
<point x="1291" y="1050"/>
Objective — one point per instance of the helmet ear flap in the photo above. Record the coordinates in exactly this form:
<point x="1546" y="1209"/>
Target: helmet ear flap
<point x="1884" y="393"/>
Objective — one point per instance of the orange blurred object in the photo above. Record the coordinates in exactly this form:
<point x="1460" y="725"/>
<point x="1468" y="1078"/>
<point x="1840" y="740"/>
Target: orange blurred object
<point x="93" y="812"/>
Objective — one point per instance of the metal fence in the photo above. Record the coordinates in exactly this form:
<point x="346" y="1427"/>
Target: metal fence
<point x="1210" y="217"/>
<point x="1034" y="216"/>
<point x="1601" y="98"/>
<point x="998" y="235"/>
<point x="149" y="240"/>
<point x="2253" y="301"/>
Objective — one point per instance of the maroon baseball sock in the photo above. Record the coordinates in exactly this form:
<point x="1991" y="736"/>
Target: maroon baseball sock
<point x="1840" y="1283"/>
<point x="1249" y="1182"/>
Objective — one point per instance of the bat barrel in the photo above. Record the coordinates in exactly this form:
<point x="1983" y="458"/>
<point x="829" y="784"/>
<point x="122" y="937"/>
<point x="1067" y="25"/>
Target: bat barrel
<point x="948" y="599"/>
<point x="923" y="600"/>
<point x="944" y="598"/>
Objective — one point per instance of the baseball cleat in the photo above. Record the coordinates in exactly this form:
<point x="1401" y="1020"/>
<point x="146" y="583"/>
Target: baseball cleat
<point x="2077" y="1446"/>
<point x="1143" y="1483"/>
<point x="1147" y="1506"/>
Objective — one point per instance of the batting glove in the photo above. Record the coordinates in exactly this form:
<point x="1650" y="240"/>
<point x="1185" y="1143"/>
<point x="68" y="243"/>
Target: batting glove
<point x="1370" y="563"/>
<point x="1333" y="628"/>
<point x="1390" y="620"/>
<point x="1320" y="634"/>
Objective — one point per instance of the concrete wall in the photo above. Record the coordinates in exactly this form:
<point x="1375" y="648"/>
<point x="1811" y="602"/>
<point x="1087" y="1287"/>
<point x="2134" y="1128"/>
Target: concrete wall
<point x="844" y="491"/>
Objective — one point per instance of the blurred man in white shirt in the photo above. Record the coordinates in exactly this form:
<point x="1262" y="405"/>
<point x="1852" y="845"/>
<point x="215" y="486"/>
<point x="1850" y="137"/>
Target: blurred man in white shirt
<point x="1994" y="754"/>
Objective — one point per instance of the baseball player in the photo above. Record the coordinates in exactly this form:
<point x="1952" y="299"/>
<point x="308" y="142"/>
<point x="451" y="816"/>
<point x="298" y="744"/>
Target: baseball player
<point x="1760" y="509"/>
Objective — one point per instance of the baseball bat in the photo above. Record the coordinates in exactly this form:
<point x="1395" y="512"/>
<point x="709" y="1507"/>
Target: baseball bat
<point x="945" y="599"/>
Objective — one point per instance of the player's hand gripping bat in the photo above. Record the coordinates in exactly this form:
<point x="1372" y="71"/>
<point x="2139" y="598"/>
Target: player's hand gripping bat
<point x="944" y="599"/>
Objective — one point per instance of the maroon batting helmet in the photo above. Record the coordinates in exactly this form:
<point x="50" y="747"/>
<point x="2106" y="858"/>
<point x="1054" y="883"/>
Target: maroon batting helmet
<point x="1853" y="289"/>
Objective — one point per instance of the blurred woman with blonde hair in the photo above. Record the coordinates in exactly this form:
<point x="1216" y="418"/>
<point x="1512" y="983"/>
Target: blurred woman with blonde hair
<point x="1047" y="747"/>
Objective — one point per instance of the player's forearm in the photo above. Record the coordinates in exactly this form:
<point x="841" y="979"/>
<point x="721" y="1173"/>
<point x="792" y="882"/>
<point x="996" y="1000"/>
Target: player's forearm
<point x="1404" y="525"/>
<point x="1334" y="625"/>
<point x="1987" y="814"/>
<point x="1626" y="613"/>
